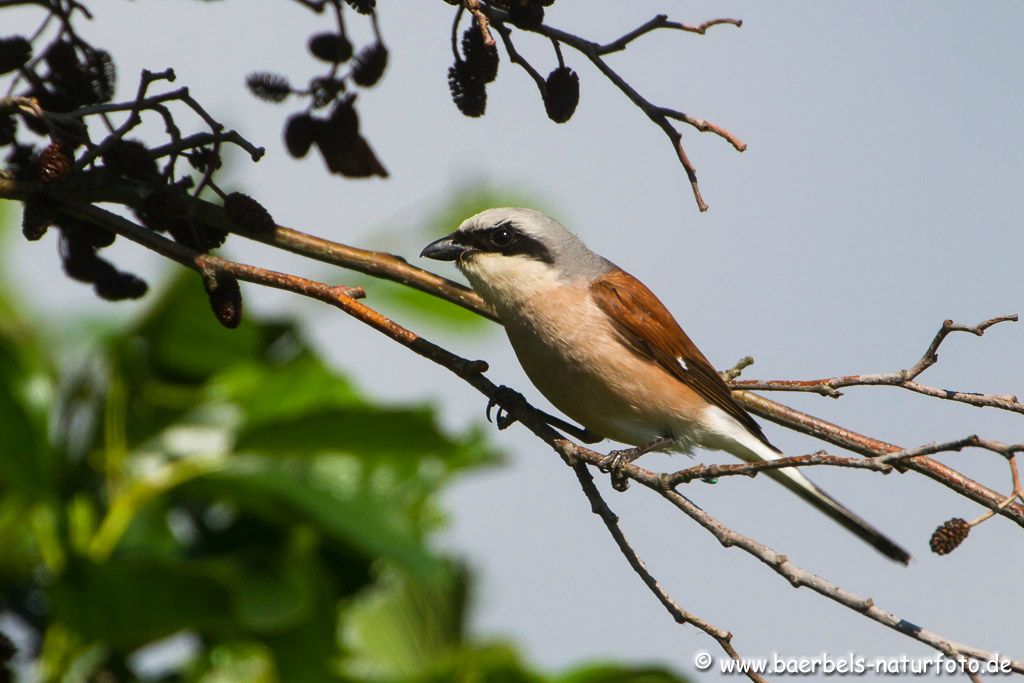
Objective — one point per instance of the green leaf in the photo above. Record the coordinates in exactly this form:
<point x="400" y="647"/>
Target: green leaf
<point x="300" y="408"/>
<point x="181" y="339"/>
<point x="335" y="495"/>
<point x="128" y="602"/>
<point x="404" y="625"/>
<point x="235" y="661"/>
<point x="27" y="459"/>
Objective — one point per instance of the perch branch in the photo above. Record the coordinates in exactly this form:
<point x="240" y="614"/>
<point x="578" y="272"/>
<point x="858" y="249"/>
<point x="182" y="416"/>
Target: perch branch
<point x="472" y="372"/>
<point x="682" y="616"/>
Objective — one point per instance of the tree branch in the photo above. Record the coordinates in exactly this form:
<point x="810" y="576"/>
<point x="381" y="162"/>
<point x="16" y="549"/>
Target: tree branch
<point x="595" y="53"/>
<point x="519" y="409"/>
<point x="396" y="269"/>
<point x="901" y="378"/>
<point x="600" y="508"/>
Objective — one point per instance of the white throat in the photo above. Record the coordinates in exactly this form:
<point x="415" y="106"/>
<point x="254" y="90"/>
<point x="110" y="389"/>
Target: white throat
<point x="509" y="282"/>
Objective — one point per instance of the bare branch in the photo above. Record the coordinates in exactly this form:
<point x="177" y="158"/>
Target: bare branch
<point x="595" y="52"/>
<point x="600" y="508"/>
<point x="866" y="445"/>
<point x="661" y="21"/>
<point x="901" y="378"/>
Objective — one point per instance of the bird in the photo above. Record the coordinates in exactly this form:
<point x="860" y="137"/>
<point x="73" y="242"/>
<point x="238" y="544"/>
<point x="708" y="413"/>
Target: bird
<point x="605" y="351"/>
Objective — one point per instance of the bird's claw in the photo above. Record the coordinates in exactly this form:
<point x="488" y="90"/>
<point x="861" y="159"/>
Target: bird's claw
<point x="612" y="464"/>
<point x="503" y="418"/>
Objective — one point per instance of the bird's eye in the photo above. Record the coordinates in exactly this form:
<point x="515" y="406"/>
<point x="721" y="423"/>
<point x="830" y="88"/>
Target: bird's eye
<point x="502" y="237"/>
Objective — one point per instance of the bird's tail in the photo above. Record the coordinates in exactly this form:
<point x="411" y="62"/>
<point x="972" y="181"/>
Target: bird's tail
<point x="748" y="447"/>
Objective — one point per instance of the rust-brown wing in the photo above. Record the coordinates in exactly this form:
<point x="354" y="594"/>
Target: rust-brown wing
<point x="651" y="331"/>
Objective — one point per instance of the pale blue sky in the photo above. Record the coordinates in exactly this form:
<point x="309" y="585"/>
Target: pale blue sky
<point x="881" y="193"/>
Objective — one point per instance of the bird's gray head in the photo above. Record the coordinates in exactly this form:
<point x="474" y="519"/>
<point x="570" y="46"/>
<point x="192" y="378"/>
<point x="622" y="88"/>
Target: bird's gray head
<point x="495" y="243"/>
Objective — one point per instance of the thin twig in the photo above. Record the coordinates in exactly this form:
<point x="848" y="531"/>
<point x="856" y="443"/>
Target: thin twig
<point x="658" y="22"/>
<point x="682" y="616"/>
<point x="904" y="379"/>
<point x="481" y="20"/>
<point x="595" y="52"/>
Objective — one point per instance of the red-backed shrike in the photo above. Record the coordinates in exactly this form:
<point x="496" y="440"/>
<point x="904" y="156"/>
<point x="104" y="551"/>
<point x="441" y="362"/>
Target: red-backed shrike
<point x="606" y="352"/>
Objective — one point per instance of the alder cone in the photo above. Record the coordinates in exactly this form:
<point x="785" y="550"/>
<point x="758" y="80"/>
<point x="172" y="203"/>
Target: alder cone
<point x="370" y="64"/>
<point x="562" y="94"/>
<point x="525" y="14"/>
<point x="248" y="214"/>
<point x="131" y="159"/>
<point x="269" y="87"/>
<point x="299" y="132"/>
<point x="36" y="217"/>
<point x="481" y="57"/>
<point x="949" y="536"/>
<point x="118" y="286"/>
<point x="330" y="47"/>
<point x="468" y="92"/>
<point x="54" y="163"/>
<point x="225" y="300"/>
<point x="14" y="53"/>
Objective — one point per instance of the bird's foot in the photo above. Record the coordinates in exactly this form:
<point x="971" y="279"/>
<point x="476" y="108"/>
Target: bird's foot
<point x="615" y="460"/>
<point x="505" y="396"/>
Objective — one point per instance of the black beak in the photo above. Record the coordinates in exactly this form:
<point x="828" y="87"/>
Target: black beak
<point x="444" y="249"/>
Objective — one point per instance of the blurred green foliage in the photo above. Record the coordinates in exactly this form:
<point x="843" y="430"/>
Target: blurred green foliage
<point x="227" y="490"/>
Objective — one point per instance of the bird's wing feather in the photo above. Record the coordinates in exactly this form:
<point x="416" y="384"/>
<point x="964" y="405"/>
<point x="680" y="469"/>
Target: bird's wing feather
<point x="651" y="332"/>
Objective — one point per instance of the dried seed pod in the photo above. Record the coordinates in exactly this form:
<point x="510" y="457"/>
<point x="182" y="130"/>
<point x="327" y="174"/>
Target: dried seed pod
<point x="334" y="48"/>
<point x="225" y="299"/>
<point x="362" y="6"/>
<point x="167" y="209"/>
<point x="81" y="262"/>
<point x="949" y="536"/>
<point x="350" y="158"/>
<point x="204" y="159"/>
<point x="299" y="131"/>
<point x="84" y="81"/>
<point x="343" y="124"/>
<point x="83" y="232"/>
<point x="481" y="58"/>
<point x="525" y="14"/>
<point x="248" y="214"/>
<point x="101" y="75"/>
<point x="369" y="64"/>
<point x="118" y="286"/>
<point x="468" y="91"/>
<point x="54" y="162"/>
<point x="131" y="159"/>
<point x="562" y="94"/>
<point x="15" y="52"/>
<point x="268" y="86"/>
<point x="344" y="150"/>
<point x="164" y="207"/>
<point x="36" y="217"/>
